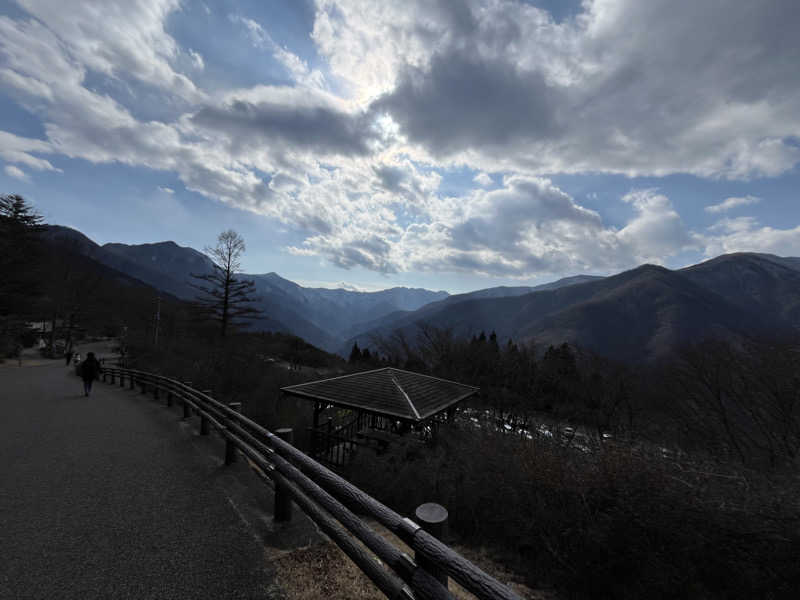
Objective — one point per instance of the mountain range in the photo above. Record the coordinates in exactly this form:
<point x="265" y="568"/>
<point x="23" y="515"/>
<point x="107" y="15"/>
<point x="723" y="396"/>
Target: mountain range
<point x="640" y="314"/>
<point x="321" y="316"/>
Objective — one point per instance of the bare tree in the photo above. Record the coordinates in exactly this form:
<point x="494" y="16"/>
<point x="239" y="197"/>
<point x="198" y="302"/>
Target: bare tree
<point x="743" y="400"/>
<point x="224" y="297"/>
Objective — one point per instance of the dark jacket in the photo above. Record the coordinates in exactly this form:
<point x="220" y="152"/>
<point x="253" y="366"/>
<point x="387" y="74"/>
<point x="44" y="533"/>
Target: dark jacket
<point x="90" y="369"/>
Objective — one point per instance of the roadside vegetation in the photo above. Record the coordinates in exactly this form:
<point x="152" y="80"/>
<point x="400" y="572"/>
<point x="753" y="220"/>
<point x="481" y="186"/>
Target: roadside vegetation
<point x="673" y="480"/>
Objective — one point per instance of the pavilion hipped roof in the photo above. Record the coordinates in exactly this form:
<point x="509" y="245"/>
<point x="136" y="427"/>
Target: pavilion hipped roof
<point x="393" y="392"/>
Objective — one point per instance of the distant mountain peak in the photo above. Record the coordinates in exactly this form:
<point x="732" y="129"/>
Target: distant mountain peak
<point x="653" y="268"/>
<point x="167" y="244"/>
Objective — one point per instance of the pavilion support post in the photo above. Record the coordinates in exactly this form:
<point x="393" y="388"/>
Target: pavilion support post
<point x="317" y="411"/>
<point x="283" y="501"/>
<point x="432" y="518"/>
<point x="131" y="382"/>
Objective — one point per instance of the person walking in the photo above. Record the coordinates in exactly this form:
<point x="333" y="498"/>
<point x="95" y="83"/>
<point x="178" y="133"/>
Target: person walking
<point x="68" y="356"/>
<point x="90" y="369"/>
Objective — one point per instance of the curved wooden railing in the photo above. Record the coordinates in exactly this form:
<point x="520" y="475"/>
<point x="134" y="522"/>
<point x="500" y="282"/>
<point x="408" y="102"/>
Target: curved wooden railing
<point x="329" y="500"/>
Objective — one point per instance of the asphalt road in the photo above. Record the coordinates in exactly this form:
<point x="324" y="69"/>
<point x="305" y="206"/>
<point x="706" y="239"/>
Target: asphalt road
<point x="111" y="496"/>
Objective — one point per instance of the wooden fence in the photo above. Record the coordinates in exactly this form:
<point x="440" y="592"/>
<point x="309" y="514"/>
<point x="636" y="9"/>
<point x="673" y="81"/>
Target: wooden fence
<point x="329" y="500"/>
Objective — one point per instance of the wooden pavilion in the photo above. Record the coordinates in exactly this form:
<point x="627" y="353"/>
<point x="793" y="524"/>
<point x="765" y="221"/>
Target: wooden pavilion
<point x="375" y="408"/>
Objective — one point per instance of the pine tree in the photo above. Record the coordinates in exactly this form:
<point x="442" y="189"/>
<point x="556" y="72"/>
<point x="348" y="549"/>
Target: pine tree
<point x="224" y="297"/>
<point x="355" y="354"/>
<point x="20" y="255"/>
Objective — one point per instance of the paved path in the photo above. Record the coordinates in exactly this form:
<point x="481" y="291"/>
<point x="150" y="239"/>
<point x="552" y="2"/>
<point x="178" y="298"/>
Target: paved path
<point x="112" y="496"/>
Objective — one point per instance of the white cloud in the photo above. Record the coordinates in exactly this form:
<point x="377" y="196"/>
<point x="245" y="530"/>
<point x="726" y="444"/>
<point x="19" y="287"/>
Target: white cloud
<point x="531" y="227"/>
<point x="745" y="234"/>
<point x="257" y="34"/>
<point x="16" y="172"/>
<point x="16" y="149"/>
<point x="657" y="231"/>
<point x="166" y="190"/>
<point x="732" y="202"/>
<point x="295" y="66"/>
<point x="639" y="88"/>
<point x="483" y="179"/>
<point x="118" y="38"/>
<point x="197" y="60"/>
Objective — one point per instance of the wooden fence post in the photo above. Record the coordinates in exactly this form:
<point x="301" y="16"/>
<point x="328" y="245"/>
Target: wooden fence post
<point x="432" y="518"/>
<point x="230" y="447"/>
<point x="204" y="419"/>
<point x="283" y="501"/>
<point x="187" y="410"/>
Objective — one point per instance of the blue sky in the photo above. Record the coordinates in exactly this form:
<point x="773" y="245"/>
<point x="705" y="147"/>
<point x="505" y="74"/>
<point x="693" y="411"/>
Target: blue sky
<point x="448" y="145"/>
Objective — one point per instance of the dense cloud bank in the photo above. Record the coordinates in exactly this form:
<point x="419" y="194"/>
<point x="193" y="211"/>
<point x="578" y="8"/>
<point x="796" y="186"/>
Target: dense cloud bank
<point x="352" y="154"/>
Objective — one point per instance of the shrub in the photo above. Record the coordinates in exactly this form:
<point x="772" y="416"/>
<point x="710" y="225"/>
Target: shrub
<point x="608" y="523"/>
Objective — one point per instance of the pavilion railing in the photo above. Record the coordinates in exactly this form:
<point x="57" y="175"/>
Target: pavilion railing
<point x="329" y="500"/>
<point x="335" y="446"/>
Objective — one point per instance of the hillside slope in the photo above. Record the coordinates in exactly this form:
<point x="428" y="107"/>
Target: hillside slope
<point x="641" y="314"/>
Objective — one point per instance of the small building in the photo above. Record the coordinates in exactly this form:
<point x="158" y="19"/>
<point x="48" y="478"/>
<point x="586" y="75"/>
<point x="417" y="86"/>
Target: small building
<point x="375" y="408"/>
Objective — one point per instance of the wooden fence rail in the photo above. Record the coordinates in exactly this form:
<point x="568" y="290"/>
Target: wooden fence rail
<point x="329" y="500"/>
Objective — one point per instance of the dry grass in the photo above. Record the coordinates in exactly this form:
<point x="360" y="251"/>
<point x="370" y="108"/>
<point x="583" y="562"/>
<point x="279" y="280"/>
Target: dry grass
<point x="483" y="558"/>
<point x="324" y="572"/>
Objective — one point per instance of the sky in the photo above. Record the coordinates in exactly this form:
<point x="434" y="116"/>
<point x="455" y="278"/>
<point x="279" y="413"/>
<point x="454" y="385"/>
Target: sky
<point x="446" y="144"/>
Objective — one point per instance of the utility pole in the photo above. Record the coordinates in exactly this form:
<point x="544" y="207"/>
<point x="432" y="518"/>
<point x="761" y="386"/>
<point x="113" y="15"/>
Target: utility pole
<point x="158" y="320"/>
